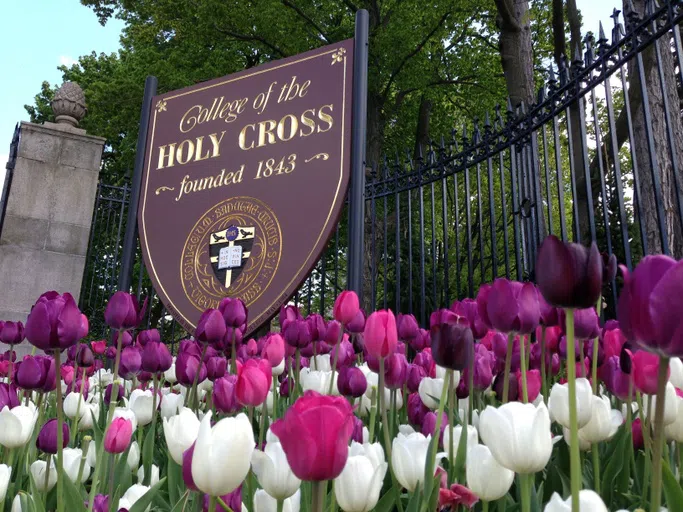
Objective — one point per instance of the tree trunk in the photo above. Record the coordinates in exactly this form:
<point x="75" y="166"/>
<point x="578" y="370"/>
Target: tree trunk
<point x="657" y="124"/>
<point x="422" y="132"/>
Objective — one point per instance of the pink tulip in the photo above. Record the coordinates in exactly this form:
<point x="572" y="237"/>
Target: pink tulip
<point x="380" y="335"/>
<point x="254" y="379"/>
<point x="346" y="307"/>
<point x="645" y="366"/>
<point x="118" y="435"/>
<point x="273" y="350"/>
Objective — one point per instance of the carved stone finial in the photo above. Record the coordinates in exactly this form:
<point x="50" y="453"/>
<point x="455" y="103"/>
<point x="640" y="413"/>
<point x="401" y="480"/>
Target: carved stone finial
<point x="68" y="104"/>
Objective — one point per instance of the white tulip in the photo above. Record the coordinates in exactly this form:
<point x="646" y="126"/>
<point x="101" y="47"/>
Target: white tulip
<point x="358" y="486"/>
<point x="430" y="392"/>
<point x="279" y="369"/>
<point x="16" y="503"/>
<point x="604" y="421"/>
<point x="17" y="425"/>
<point x="676" y="375"/>
<point x="222" y="454"/>
<point x="133" y="459"/>
<point x="268" y="404"/>
<point x="441" y="374"/>
<point x="409" y="457"/>
<point x="72" y="463"/>
<point x="180" y="432"/>
<point x="38" y="470"/>
<point x="518" y="436"/>
<point x="122" y="412"/>
<point x="674" y="431"/>
<point x="584" y="445"/>
<point x="472" y="439"/>
<point x="153" y="479"/>
<point x="558" y="403"/>
<point x="91" y="456"/>
<point x="319" y="381"/>
<point x="169" y="375"/>
<point x="406" y="430"/>
<point x="263" y="502"/>
<point x="142" y="404"/>
<point x="171" y="404"/>
<point x="321" y="363"/>
<point x="624" y="409"/>
<point x="5" y="474"/>
<point x="133" y="494"/>
<point x="589" y="501"/>
<point x="273" y="472"/>
<point x="485" y="477"/>
<point x="89" y="414"/>
<point x="75" y="404"/>
<point x="670" y="405"/>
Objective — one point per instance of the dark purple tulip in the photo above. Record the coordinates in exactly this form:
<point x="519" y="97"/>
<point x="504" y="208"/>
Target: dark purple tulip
<point x="123" y="311"/>
<point x="484" y="361"/>
<point x="588" y="351"/>
<point x="346" y="355"/>
<point x="469" y="309"/>
<point x="569" y="275"/>
<point x="9" y="355"/>
<point x="415" y="375"/>
<point x="156" y="357"/>
<point x="421" y="341"/>
<point x="144" y="376"/>
<point x="625" y="359"/>
<point x="429" y="424"/>
<point x="333" y="332"/>
<point x="563" y="348"/>
<point x="357" y="325"/>
<point x="30" y="373"/>
<point x="216" y="367"/>
<point x="187" y="468"/>
<point x="84" y="356"/>
<point x="287" y="314"/>
<point x="78" y="384"/>
<point x="130" y="363"/>
<point x="452" y="345"/>
<point x="357" y="434"/>
<point x="234" y="312"/>
<point x="395" y="371"/>
<point x="610" y="325"/>
<point x="232" y="500"/>
<point x="50" y="373"/>
<point x="511" y="306"/>
<point x="190" y="347"/>
<point x="615" y="379"/>
<point x="609" y="267"/>
<point x="224" y="394"/>
<point x="126" y="338"/>
<point x="316" y="324"/>
<point x="297" y="333"/>
<point x="108" y="392"/>
<point x="284" y="387"/>
<point x="586" y="323"/>
<point x="148" y="335"/>
<point x="372" y="361"/>
<point x="651" y="303"/>
<point x="47" y="438"/>
<point x="11" y="333"/>
<point x="498" y="386"/>
<point x="100" y="503"/>
<point x="549" y="314"/>
<point x="416" y="410"/>
<point x="55" y="322"/>
<point x="442" y="316"/>
<point x="110" y="353"/>
<point x="8" y="396"/>
<point x="211" y="327"/>
<point x="351" y="382"/>
<point x="463" y="389"/>
<point x="407" y="327"/>
<point x="186" y="367"/>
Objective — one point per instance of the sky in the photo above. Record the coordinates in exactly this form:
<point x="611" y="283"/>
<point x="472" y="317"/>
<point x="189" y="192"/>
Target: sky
<point x="37" y="36"/>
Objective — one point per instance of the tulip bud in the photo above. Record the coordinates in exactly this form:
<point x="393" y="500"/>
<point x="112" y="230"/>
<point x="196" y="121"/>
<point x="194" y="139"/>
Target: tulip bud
<point x="273" y="472"/>
<point x="187" y="366"/>
<point x="55" y="322"/>
<point x="234" y="312"/>
<point x="100" y="503"/>
<point x="118" y="435"/>
<point x="429" y="424"/>
<point x="187" y="468"/>
<point x="254" y="379"/>
<point x="407" y="327"/>
<point x="468" y="309"/>
<point x="155" y="357"/>
<point x="84" y="356"/>
<point x="485" y="476"/>
<point x="609" y="267"/>
<point x="31" y="373"/>
<point x="396" y="370"/>
<point x="288" y="314"/>
<point x="180" y="432"/>
<point x="586" y="323"/>
<point x="558" y="403"/>
<point x="380" y="334"/>
<point x="358" y="486"/>
<point x="452" y="345"/>
<point x="123" y="311"/>
<point x="645" y="367"/>
<point x="216" y="367"/>
<point x="297" y="333"/>
<point x="415" y="375"/>
<point x="224" y="394"/>
<point x="211" y="327"/>
<point x="130" y="362"/>
<point x="11" y="333"/>
<point x="588" y="500"/>
<point x="351" y="382"/>
<point x="47" y="437"/>
<point x="274" y="349"/>
<point x="147" y="336"/>
<point x="499" y="386"/>
<point x="316" y="324"/>
<point x="357" y="325"/>
<point x="346" y="307"/>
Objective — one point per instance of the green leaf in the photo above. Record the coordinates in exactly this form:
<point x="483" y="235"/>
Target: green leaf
<point x="38" y="505"/>
<point x="429" y="466"/>
<point x="672" y="489"/>
<point x="386" y="502"/>
<point x="461" y="456"/>
<point x="174" y="473"/>
<point x="148" y="453"/>
<point x="180" y="504"/>
<point x="122" y="476"/>
<point x="72" y="496"/>
<point x="414" y="502"/>
<point x="146" y="499"/>
<point x="614" y="465"/>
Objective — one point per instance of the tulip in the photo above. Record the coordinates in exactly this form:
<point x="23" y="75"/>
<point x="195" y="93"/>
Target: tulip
<point x="155" y="357"/>
<point x="72" y="463"/>
<point x="395" y="373"/>
<point x="485" y="476"/>
<point x="154" y="474"/>
<point x="645" y="366"/>
<point x="357" y="325"/>
<point x="346" y="307"/>
<point x="315" y="434"/>
<point x="380" y="334"/>
<point x="273" y="472"/>
<point x="407" y="327"/>
<point x="409" y="457"/>
<point x="604" y="421"/>
<point x="533" y="383"/>
<point x="649" y="304"/>
<point x="76" y="404"/>
<point x="344" y="353"/>
<point x="100" y="503"/>
<point x="109" y="391"/>
<point x="518" y="436"/>
<point x="472" y="439"/>
<point x="416" y="409"/>
<point x="8" y="396"/>
<point x="360" y="434"/>
<point x="263" y="502"/>
<point x="586" y="323"/>
<point x="429" y="425"/>
<point x="469" y="309"/>
<point x="297" y="334"/>
<point x="430" y="391"/>
<point x="287" y="314"/>
<point x="254" y="379"/>
<point x="118" y="436"/>
<point x="171" y="404"/>
<point x="55" y="322"/>
<point x="415" y="374"/>
<point x="147" y="336"/>
<point x="616" y="381"/>
<point x="358" y="486"/>
<point x="670" y="405"/>
<point x="169" y="375"/>
<point x="131" y="496"/>
<point x="141" y="402"/>
<point x="588" y="500"/>
<point x="455" y="496"/>
<point x="274" y="350"/>
<point x="352" y="382"/>
<point x="17" y="425"/>
<point x="569" y="275"/>
<point x="510" y="306"/>
<point x="31" y="373"/>
<point x="222" y="454"/>
<point x="98" y="347"/>
<point x="224" y="394"/>
<point x="216" y="367"/>
<point x="47" y="437"/>
<point x="211" y="327"/>
<point x="676" y="372"/>
<point x="452" y="345"/>
<point x="11" y="333"/>
<point x="612" y="342"/>
<point x="130" y="362"/>
<point x="234" y="312"/>
<point x="674" y="431"/>
<point x="128" y="414"/>
<point x="558" y="403"/>
<point x="123" y="311"/>
<point x="421" y="341"/>
<point x="44" y="478"/>
<point x="188" y="367"/>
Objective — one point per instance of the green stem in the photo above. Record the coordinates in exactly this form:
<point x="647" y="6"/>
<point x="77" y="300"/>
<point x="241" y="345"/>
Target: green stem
<point x="262" y="425"/>
<point x="280" y="503"/>
<point x="594" y="362"/>
<point x="78" y="412"/>
<point x="275" y="398"/>
<point x="679" y="449"/>
<point x="334" y="368"/>
<point x="544" y="369"/>
<point x="470" y="398"/>
<point x="84" y="456"/>
<point x="451" y="421"/>
<point x="574" y="454"/>
<point x="212" y="504"/>
<point x="508" y="363"/>
<point x="383" y="410"/>
<point x="485" y="506"/>
<point x="60" y="436"/>
<point x="522" y="362"/>
<point x="645" y="429"/>
<point x="525" y="483"/>
<point x="373" y="414"/>
<point x="233" y="355"/>
<point x="47" y="475"/>
<point x="318" y="496"/>
<point x="392" y="406"/>
<point x="656" y="497"/>
<point x="194" y="393"/>
<point x="596" y="467"/>
<point x="299" y="389"/>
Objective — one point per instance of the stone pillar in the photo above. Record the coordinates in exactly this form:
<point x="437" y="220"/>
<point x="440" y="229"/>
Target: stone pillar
<point x="46" y="231"/>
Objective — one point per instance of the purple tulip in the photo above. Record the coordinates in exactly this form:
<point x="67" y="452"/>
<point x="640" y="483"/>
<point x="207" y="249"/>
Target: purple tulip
<point x="108" y="392"/>
<point x="55" y="322"/>
<point x="357" y="325"/>
<point x="510" y="306"/>
<point x="316" y="325"/>
<point x="416" y="410"/>
<point x="297" y="333"/>
<point x="211" y="327"/>
<point x="130" y="362"/>
<point x="100" y="503"/>
<point x="84" y="356"/>
<point x="156" y="357"/>
<point x="216" y="367"/>
<point x="549" y="314"/>
<point x="357" y="434"/>
<point x="126" y="339"/>
<point x="234" y="312"/>
<point x="615" y="379"/>
<point x="47" y="438"/>
<point x="421" y="341"/>
<point x="11" y="333"/>
<point x="288" y="314"/>
<point x="351" y="382"/>
<point x="190" y="347"/>
<point x="395" y="371"/>
<point x="569" y="275"/>
<point x="415" y="374"/>
<point x="586" y="323"/>
<point x="407" y="327"/>
<point x="429" y="424"/>
<point x="425" y="360"/>
<point x="333" y="332"/>
<point x="50" y="373"/>
<point x="30" y="373"/>
<point x="513" y="389"/>
<point x="346" y="356"/>
<point x="148" y="335"/>
<point x="650" y="305"/>
<point x="187" y="468"/>
<point x="469" y="309"/>
<point x="442" y="316"/>
<point x="284" y="387"/>
<point x="123" y="311"/>
<point x="463" y="389"/>
<point x="224" y="394"/>
<point x="186" y="367"/>
<point x="484" y="361"/>
<point x="232" y="500"/>
<point x="8" y="396"/>
<point x="609" y="267"/>
<point x="452" y="345"/>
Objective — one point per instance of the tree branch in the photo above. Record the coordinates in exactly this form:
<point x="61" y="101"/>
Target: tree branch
<point x="306" y="18"/>
<point x="460" y="81"/>
<point x="410" y="55"/>
<point x="506" y="14"/>
<point x="350" y="5"/>
<point x="250" y="37"/>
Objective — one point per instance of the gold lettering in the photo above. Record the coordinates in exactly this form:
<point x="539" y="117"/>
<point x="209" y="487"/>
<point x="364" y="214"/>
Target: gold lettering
<point x="292" y="128"/>
<point x="327" y="118"/>
<point x="216" y="143"/>
<point x="187" y="123"/>
<point x="180" y="152"/>
<point x="243" y="137"/>
<point x="307" y="121"/>
<point x="198" y="152"/>
<point x="170" y="156"/>
<point x="263" y="131"/>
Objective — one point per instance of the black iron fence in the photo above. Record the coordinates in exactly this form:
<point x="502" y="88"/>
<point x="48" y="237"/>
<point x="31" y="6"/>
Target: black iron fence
<point x="597" y="157"/>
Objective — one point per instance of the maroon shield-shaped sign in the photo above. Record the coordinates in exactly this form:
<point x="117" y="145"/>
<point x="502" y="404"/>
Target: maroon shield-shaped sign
<point x="244" y="181"/>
